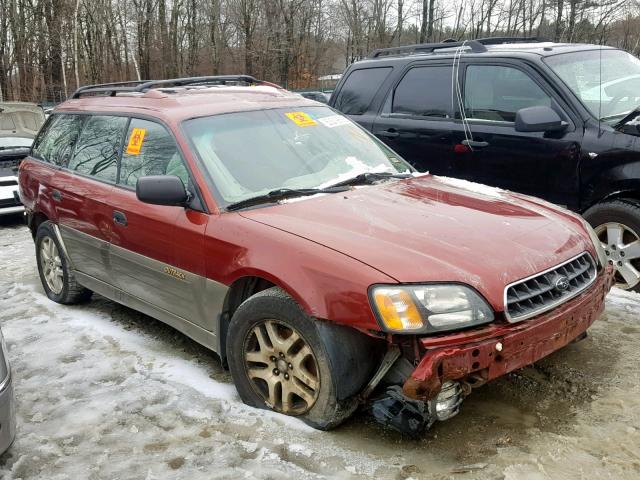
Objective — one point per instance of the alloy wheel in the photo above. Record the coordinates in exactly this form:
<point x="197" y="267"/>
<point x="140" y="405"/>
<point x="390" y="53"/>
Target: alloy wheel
<point x="622" y="248"/>
<point x="51" y="265"/>
<point x="282" y="368"/>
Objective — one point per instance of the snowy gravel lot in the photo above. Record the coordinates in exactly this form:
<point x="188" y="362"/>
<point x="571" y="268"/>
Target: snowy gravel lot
<point x="105" y="392"/>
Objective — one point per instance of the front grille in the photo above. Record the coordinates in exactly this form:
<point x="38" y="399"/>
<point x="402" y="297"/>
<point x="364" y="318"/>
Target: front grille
<point x="548" y="289"/>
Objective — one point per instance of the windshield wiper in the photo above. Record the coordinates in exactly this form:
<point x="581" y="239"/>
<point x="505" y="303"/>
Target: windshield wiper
<point x="282" y="194"/>
<point x="627" y="118"/>
<point x="370" y="177"/>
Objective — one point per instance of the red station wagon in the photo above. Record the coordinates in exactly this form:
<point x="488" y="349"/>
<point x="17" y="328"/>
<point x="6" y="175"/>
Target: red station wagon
<point x="323" y="268"/>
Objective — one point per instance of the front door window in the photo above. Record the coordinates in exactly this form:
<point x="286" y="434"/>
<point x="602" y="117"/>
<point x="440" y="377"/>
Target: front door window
<point x="496" y="93"/>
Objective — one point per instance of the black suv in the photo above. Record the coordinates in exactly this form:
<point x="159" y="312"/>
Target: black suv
<point x="557" y="121"/>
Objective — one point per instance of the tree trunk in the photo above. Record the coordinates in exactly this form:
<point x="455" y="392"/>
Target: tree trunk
<point x="424" y="26"/>
<point x="76" y="60"/>
<point x="558" y="33"/>
<point x="164" y="35"/>
<point x="214" y="20"/>
<point x="432" y="6"/>
<point x="400" y="22"/>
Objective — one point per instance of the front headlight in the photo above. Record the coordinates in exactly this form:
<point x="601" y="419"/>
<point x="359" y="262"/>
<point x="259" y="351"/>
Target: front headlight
<point x="597" y="244"/>
<point x="428" y="308"/>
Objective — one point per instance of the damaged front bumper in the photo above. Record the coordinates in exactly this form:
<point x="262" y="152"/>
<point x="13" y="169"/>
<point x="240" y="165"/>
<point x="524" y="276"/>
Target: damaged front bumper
<point x="449" y="366"/>
<point x="478" y="356"/>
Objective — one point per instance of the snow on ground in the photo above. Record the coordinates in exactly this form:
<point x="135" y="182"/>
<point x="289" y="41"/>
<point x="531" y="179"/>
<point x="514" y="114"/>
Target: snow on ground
<point x="104" y="392"/>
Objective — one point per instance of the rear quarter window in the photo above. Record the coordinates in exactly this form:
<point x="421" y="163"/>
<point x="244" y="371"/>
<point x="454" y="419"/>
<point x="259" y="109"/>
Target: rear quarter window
<point x="56" y="142"/>
<point x="359" y="88"/>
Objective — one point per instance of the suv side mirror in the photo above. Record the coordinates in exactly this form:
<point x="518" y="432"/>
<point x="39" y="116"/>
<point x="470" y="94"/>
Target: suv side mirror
<point x="539" y="119"/>
<point x="162" y="190"/>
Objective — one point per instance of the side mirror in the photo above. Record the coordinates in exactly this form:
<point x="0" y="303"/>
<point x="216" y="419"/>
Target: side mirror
<point x="162" y="190"/>
<point x="539" y="119"/>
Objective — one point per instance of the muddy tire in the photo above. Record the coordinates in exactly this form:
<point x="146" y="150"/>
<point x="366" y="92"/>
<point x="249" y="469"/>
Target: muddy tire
<point x="617" y="224"/>
<point x="57" y="278"/>
<point x="283" y="360"/>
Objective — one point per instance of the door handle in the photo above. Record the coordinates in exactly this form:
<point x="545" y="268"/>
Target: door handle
<point x="390" y="133"/>
<point x="475" y="143"/>
<point x="56" y="195"/>
<point x="119" y="218"/>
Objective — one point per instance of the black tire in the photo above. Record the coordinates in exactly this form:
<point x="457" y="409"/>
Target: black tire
<point x="345" y="358"/>
<point x="624" y="212"/>
<point x="71" y="292"/>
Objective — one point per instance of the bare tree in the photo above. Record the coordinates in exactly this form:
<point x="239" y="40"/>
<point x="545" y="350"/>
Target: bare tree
<point x="48" y="47"/>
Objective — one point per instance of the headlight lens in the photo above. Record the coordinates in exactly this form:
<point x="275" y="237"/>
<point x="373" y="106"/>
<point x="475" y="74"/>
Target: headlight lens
<point x="429" y="308"/>
<point x="602" y="258"/>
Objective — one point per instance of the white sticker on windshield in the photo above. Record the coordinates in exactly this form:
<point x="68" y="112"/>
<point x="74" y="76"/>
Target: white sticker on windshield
<point x="334" y="121"/>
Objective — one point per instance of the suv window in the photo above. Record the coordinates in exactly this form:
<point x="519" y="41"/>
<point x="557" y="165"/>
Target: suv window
<point x="55" y="144"/>
<point x="497" y="92"/>
<point x="359" y="89"/>
<point x="424" y="91"/>
<point x="96" y="153"/>
<point x="150" y="149"/>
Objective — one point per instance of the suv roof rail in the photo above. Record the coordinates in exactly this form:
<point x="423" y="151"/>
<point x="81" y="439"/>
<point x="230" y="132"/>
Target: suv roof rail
<point x="105" y="87"/>
<point x="503" y="40"/>
<point x="477" y="45"/>
<point x="112" y="89"/>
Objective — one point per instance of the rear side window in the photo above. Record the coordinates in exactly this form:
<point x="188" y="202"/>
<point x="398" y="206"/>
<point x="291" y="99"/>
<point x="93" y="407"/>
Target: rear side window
<point x="150" y="149"/>
<point x="55" y="144"/>
<point x="425" y="92"/>
<point x="96" y="152"/>
<point x="496" y="93"/>
<point x="359" y="89"/>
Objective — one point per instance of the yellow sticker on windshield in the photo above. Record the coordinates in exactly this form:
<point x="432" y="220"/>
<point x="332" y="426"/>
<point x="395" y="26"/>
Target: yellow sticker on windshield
<point x="135" y="141"/>
<point x="301" y="119"/>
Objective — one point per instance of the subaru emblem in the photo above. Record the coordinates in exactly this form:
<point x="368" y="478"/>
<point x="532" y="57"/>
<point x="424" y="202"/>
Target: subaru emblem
<point x="562" y="283"/>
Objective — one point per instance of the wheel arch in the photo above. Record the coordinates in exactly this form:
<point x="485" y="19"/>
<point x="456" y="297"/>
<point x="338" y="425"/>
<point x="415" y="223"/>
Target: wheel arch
<point x="241" y="289"/>
<point x="614" y="184"/>
<point x="34" y="220"/>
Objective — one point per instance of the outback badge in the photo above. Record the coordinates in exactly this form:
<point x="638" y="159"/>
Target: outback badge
<point x="174" y="273"/>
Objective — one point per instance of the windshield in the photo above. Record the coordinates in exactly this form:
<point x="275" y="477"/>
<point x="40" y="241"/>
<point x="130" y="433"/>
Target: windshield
<point x="6" y="142"/>
<point x="252" y="153"/>
<point x="616" y="81"/>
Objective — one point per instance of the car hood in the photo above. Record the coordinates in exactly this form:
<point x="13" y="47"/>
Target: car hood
<point x="433" y="229"/>
<point x="20" y="120"/>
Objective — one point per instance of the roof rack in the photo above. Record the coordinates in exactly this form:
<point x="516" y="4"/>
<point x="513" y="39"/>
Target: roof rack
<point x="476" y="46"/>
<point x="112" y="89"/>
<point x="503" y="40"/>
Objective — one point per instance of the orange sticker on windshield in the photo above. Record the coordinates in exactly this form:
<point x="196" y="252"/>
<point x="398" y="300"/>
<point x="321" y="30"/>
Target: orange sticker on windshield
<point x="301" y="119"/>
<point x="135" y="141"/>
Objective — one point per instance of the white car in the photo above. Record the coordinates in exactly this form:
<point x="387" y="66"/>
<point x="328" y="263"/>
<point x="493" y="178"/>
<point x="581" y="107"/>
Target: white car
<point x="19" y="125"/>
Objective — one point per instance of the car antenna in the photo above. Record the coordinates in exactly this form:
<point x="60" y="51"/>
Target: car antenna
<point x="600" y="92"/>
<point x="457" y="90"/>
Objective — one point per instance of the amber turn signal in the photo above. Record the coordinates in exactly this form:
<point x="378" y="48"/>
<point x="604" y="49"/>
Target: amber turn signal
<point x="397" y="309"/>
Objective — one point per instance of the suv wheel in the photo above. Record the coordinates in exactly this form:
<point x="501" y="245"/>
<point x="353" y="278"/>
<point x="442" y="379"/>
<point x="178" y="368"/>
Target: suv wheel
<point x="57" y="278"/>
<point x="280" y="361"/>
<point x="617" y="224"/>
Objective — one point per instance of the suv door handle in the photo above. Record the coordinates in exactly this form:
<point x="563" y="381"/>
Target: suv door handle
<point x="56" y="195"/>
<point x="119" y="218"/>
<point x="390" y="133"/>
<point x="475" y="143"/>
